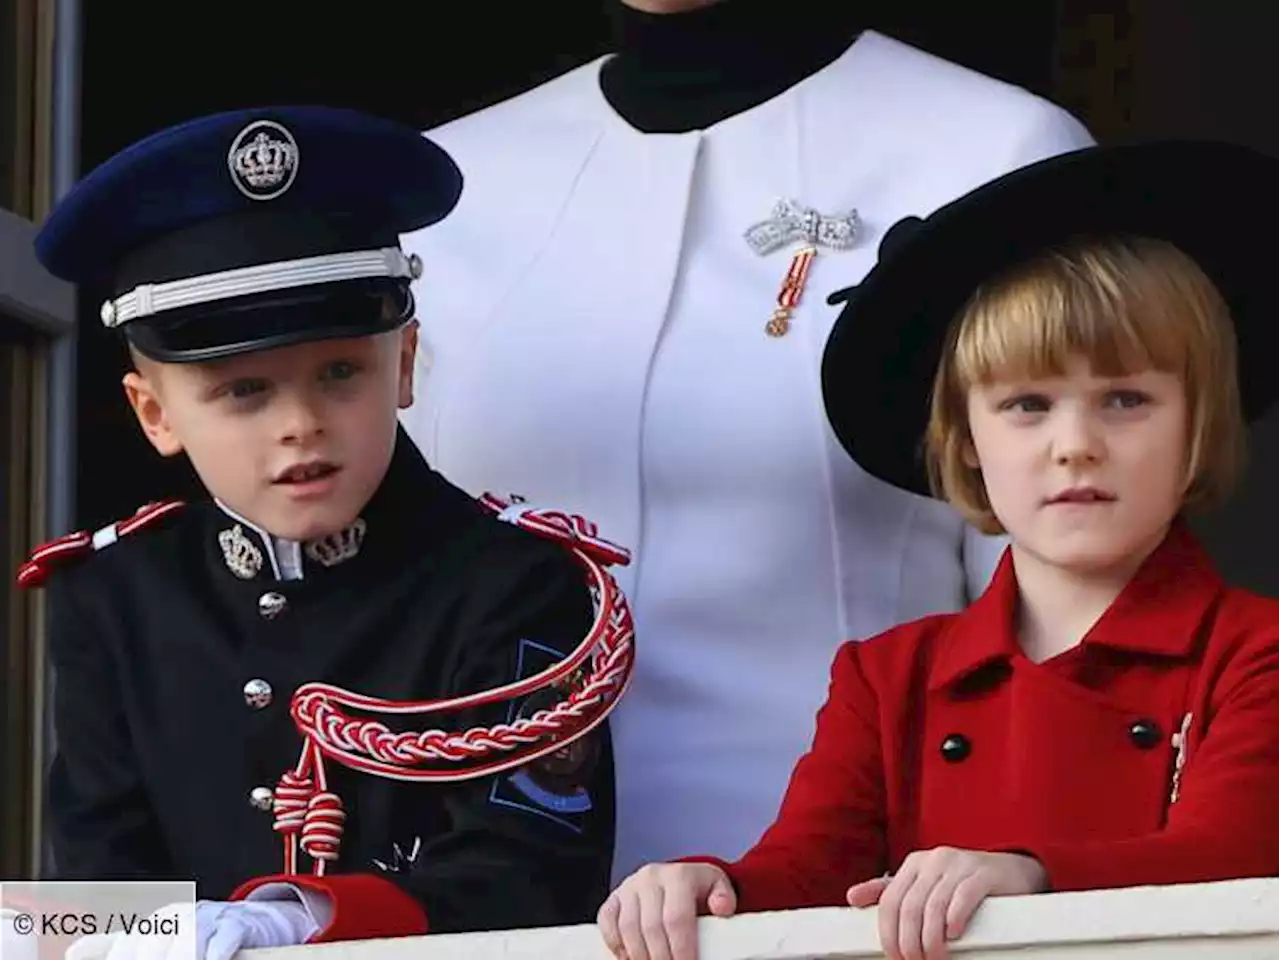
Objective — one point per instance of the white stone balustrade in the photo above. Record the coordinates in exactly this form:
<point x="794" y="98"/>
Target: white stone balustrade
<point x="1232" y="920"/>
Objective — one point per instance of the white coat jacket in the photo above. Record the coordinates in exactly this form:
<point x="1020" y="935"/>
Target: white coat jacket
<point x="593" y="337"/>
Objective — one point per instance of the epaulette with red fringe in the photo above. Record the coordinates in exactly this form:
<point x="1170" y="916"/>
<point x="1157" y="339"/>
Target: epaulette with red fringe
<point x="64" y="550"/>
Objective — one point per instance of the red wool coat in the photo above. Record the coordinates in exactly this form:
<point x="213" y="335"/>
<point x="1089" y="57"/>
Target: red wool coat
<point x="941" y="733"/>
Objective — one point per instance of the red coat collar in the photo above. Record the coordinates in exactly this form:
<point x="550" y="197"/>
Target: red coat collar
<point x="1157" y="612"/>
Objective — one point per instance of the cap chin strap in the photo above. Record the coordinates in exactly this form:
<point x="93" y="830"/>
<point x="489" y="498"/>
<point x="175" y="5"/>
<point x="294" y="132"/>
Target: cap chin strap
<point x="149" y="299"/>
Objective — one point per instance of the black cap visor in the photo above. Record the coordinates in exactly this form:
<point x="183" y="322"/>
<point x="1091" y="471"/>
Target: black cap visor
<point x="266" y="321"/>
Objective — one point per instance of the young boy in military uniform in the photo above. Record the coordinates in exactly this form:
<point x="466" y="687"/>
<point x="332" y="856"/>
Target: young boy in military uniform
<point x="257" y="278"/>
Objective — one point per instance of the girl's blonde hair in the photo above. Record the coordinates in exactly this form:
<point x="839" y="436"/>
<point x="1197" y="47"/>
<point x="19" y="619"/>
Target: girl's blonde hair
<point x="1123" y="304"/>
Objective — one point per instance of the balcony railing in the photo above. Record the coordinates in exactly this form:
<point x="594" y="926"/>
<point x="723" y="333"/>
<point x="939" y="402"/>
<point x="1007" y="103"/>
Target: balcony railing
<point x="1232" y="920"/>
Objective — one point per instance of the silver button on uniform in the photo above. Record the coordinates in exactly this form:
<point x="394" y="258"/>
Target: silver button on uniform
<point x="260" y="798"/>
<point x="271" y="605"/>
<point x="257" y="693"/>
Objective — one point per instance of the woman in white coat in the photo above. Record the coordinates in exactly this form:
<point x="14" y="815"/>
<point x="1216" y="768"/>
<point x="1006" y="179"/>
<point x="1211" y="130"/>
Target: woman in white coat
<point x="594" y="336"/>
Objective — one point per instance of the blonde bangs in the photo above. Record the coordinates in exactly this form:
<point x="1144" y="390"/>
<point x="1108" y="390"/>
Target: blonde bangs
<point x="1111" y="302"/>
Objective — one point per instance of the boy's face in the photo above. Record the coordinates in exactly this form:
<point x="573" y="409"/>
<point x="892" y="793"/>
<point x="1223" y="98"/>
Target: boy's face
<point x="295" y="440"/>
<point x="1084" y="472"/>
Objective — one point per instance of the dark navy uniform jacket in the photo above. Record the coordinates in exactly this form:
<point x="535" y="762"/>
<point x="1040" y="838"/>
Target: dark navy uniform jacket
<point x="176" y="650"/>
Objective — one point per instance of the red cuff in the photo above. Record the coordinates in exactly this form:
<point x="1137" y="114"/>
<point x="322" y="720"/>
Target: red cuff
<point x="365" y="905"/>
<point x="1158" y="859"/>
<point x="1084" y="866"/>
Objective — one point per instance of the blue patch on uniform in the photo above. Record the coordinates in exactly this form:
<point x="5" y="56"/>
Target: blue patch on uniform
<point x="577" y="802"/>
<point x="553" y="787"/>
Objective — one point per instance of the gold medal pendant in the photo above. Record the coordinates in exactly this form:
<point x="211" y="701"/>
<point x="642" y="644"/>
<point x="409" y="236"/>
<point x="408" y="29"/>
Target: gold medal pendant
<point x="790" y="292"/>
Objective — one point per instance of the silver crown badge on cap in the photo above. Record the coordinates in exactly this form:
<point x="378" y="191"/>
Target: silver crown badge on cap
<point x="263" y="160"/>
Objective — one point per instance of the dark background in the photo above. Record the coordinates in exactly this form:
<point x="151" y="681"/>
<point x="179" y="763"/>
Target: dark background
<point x="1125" y="67"/>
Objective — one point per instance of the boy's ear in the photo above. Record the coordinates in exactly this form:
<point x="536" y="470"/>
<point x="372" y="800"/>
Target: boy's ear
<point x="144" y="397"/>
<point x="407" y="354"/>
<point x="969" y="454"/>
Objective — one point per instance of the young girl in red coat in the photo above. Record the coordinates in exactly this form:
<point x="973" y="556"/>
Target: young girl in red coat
<point x="1078" y="344"/>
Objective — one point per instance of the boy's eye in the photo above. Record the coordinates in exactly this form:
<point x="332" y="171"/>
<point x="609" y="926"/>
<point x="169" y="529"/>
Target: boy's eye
<point x="340" y="370"/>
<point x="248" y="387"/>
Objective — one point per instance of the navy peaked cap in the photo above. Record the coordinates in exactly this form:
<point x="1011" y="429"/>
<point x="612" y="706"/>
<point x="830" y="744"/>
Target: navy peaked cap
<point x="253" y="228"/>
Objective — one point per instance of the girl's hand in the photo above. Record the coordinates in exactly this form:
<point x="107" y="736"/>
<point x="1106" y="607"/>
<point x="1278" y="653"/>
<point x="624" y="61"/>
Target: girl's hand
<point x="653" y="915"/>
<point x="934" y="894"/>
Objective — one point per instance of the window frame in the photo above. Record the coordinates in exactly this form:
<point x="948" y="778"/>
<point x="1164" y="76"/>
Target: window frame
<point x="38" y="314"/>
<point x="32" y="301"/>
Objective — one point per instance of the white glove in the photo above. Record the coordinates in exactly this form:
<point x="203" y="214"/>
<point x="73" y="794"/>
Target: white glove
<point x="220" y="930"/>
<point x="224" y="928"/>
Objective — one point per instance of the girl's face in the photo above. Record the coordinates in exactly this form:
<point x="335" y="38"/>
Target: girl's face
<point x="1085" y="472"/>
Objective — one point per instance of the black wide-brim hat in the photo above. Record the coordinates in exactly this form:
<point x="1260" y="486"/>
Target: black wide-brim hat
<point x="1203" y="197"/>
